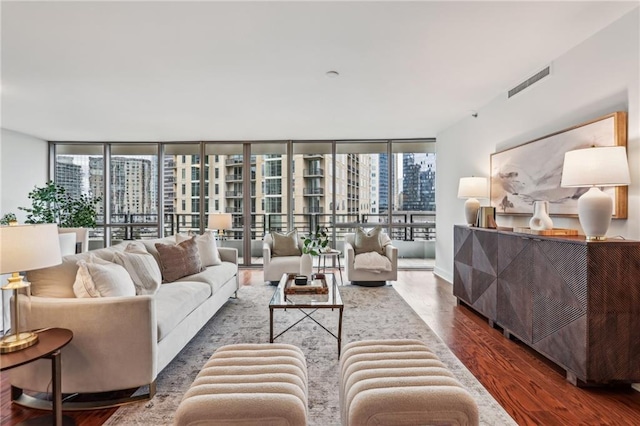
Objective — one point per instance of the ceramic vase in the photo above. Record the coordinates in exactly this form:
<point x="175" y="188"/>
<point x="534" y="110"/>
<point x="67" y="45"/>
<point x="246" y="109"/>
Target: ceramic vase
<point x="306" y="265"/>
<point x="541" y="220"/>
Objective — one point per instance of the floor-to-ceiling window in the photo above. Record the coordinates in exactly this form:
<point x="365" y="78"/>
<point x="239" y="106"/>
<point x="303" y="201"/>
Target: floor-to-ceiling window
<point x="229" y="175"/>
<point x="414" y="207"/>
<point x="269" y="203"/>
<point x="163" y="188"/>
<point x="74" y="169"/>
<point x="132" y="190"/>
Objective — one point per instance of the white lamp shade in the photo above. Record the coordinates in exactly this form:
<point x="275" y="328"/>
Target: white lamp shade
<point x="598" y="166"/>
<point x="473" y="187"/>
<point x="28" y="247"/>
<point x="219" y="221"/>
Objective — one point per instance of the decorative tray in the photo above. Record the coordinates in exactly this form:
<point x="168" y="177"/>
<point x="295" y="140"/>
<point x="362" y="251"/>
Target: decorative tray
<point x="317" y="285"/>
<point x="552" y="232"/>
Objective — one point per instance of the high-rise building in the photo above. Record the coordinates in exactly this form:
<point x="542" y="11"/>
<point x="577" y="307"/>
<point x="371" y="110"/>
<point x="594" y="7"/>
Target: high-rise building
<point x="418" y="182"/>
<point x="133" y="187"/>
<point x="69" y="175"/>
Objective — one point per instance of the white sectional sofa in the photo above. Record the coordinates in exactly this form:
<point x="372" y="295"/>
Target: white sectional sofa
<point x="119" y="342"/>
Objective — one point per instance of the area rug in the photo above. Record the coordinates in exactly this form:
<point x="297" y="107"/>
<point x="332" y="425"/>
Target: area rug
<point x="369" y="313"/>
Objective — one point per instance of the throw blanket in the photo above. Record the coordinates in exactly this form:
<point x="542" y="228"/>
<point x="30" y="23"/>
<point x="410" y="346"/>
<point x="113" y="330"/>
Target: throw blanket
<point x="372" y="262"/>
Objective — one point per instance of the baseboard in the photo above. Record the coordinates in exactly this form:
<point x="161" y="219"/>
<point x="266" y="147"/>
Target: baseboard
<point x="445" y="275"/>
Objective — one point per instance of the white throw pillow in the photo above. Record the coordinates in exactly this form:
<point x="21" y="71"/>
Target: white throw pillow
<point x="207" y="247"/>
<point x="100" y="278"/>
<point x="141" y="266"/>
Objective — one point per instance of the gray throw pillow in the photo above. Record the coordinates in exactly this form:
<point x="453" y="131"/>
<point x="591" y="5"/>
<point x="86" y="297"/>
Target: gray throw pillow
<point x="366" y="242"/>
<point x="285" y="244"/>
<point x="180" y="260"/>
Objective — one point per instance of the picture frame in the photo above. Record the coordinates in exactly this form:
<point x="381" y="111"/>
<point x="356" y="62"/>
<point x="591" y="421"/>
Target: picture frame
<point x="533" y="171"/>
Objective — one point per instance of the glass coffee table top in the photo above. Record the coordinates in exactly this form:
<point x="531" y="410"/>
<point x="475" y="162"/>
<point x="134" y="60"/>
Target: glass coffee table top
<point x="332" y="299"/>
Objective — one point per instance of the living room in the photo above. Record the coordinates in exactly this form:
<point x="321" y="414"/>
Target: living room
<point x="117" y="83"/>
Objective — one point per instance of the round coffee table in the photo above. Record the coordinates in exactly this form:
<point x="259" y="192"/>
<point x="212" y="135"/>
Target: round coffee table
<point x="50" y="341"/>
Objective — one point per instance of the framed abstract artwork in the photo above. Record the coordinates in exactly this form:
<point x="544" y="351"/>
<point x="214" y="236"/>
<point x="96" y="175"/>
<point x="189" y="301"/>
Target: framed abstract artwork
<point x="532" y="171"/>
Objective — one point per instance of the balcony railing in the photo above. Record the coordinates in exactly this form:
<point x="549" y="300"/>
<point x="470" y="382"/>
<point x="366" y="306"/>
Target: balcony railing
<point x="313" y="172"/>
<point x="313" y="191"/>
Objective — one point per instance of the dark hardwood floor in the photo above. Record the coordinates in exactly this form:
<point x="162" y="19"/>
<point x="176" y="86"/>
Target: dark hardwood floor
<point x="530" y="388"/>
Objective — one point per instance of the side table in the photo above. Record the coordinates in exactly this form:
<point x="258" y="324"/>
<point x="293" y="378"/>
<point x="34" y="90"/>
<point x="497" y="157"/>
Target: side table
<point x="50" y="341"/>
<point x="322" y="260"/>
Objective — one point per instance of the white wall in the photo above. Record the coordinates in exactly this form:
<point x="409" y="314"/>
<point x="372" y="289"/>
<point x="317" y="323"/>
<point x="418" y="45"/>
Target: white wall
<point x="23" y="165"/>
<point x="595" y="78"/>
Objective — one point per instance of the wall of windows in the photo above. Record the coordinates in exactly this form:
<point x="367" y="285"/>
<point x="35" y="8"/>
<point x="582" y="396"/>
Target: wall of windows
<point x="157" y="189"/>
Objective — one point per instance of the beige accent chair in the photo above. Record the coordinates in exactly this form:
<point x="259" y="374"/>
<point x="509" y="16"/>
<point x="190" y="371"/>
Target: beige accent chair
<point x="370" y="277"/>
<point x="82" y="237"/>
<point x="275" y="266"/>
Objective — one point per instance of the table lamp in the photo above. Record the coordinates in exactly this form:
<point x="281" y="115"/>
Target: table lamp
<point x="220" y="222"/>
<point x="24" y="248"/>
<point x="595" y="167"/>
<point x="472" y="188"/>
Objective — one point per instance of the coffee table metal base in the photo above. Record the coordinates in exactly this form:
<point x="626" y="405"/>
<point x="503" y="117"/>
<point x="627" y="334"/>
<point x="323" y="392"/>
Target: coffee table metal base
<point x="338" y="337"/>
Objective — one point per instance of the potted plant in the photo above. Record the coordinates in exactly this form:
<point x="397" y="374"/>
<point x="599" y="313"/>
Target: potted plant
<point x="312" y="245"/>
<point x="53" y="204"/>
<point x="8" y="219"/>
<point x="316" y="242"/>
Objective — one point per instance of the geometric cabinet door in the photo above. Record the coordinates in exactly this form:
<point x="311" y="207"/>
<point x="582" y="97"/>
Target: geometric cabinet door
<point x="475" y="269"/>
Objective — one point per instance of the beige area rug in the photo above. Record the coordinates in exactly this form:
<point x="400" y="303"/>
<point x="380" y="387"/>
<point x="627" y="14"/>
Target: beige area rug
<point x="370" y="313"/>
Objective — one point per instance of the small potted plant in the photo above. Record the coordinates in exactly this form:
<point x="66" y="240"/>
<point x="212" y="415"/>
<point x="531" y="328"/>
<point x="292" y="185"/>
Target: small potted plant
<point x="316" y="242"/>
<point x="312" y="245"/>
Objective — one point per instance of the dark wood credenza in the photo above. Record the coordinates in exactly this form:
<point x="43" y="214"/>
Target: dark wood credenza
<point x="576" y="303"/>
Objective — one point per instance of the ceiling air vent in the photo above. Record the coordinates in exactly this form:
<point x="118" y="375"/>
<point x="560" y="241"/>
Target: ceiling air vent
<point x="530" y="81"/>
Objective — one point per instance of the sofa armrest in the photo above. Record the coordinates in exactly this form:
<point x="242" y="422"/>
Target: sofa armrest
<point x="114" y="343"/>
<point x="228" y="254"/>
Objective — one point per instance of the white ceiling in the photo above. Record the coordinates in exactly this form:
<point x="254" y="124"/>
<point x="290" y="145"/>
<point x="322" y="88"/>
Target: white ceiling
<point x="178" y="71"/>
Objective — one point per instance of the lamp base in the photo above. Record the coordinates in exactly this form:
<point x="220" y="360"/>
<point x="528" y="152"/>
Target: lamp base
<point x="594" y="211"/>
<point x="471" y="207"/>
<point x="16" y="342"/>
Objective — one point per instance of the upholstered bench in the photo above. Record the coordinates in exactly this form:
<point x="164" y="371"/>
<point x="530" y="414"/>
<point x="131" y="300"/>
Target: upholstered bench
<point x="248" y="384"/>
<point x="400" y="382"/>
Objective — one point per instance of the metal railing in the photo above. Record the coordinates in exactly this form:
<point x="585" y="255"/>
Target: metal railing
<point x="406" y="226"/>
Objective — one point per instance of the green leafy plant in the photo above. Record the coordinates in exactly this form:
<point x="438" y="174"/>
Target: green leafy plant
<point x="8" y="218"/>
<point x="316" y="242"/>
<point x="52" y="204"/>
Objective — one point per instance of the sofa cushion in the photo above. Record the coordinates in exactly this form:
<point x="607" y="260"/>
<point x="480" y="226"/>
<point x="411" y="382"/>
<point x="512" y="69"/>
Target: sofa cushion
<point x="141" y="266"/>
<point x="215" y="276"/>
<point x="207" y="247"/>
<point x="150" y="245"/>
<point x="57" y="281"/>
<point x="175" y="301"/>
<point x="100" y="278"/>
<point x="285" y="244"/>
<point x="180" y="260"/>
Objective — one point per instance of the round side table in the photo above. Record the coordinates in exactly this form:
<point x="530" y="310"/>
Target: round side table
<point x="50" y="341"/>
<point x="322" y="261"/>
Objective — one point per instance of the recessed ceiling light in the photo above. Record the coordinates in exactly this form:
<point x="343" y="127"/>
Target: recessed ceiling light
<point x="332" y="74"/>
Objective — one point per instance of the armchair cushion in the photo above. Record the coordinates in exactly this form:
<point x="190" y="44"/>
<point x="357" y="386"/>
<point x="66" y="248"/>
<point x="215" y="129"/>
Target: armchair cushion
<point x="372" y="262"/>
<point x="368" y="241"/>
<point x="285" y="244"/>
